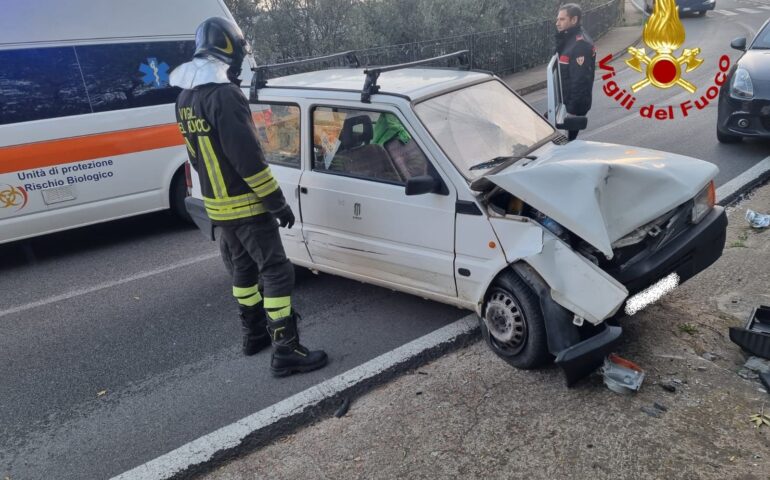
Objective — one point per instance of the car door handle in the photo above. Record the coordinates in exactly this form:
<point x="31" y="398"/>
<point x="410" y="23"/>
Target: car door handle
<point x="302" y="189"/>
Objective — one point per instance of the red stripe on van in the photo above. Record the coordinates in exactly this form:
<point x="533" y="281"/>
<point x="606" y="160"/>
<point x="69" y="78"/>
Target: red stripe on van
<point x="76" y="149"/>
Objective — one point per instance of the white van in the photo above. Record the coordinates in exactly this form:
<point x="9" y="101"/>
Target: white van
<point x="87" y="126"/>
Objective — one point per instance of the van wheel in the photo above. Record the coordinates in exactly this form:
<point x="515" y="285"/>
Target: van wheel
<point x="177" y="194"/>
<point x="513" y="325"/>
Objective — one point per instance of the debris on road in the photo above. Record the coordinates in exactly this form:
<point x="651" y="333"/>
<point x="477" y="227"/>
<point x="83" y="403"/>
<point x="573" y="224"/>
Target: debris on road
<point x="765" y="379"/>
<point x="101" y="393"/>
<point x="760" y="419"/>
<point x="343" y="409"/>
<point x="669" y="387"/>
<point x="758" y="365"/>
<point x="755" y="338"/>
<point x="621" y="375"/>
<point x="655" y="411"/>
<point x="757" y="220"/>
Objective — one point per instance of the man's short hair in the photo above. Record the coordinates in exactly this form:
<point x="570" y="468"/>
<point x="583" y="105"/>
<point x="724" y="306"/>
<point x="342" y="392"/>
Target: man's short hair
<point x="573" y="10"/>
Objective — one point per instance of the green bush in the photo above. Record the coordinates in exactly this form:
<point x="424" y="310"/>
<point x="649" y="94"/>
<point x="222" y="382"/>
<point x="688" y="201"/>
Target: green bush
<point x="285" y="29"/>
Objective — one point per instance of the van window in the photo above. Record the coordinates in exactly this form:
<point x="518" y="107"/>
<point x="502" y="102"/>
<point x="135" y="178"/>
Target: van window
<point x="37" y="83"/>
<point x="131" y="75"/>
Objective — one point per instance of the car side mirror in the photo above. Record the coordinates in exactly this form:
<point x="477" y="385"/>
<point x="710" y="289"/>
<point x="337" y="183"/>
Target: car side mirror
<point x="739" y="44"/>
<point x="422" y="184"/>
<point x="573" y="122"/>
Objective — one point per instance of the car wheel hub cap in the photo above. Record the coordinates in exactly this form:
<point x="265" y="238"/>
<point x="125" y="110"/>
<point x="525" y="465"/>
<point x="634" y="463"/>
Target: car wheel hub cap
<point x="505" y="320"/>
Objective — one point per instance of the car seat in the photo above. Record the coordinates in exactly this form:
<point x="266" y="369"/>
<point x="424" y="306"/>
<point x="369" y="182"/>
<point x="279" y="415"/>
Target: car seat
<point x="357" y="156"/>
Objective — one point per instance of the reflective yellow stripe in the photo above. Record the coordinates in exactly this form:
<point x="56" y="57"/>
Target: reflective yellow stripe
<point x="223" y="215"/>
<point x="248" y="296"/>
<point x="243" y="292"/>
<point x="260" y="177"/>
<point x="232" y="201"/>
<point x="190" y="148"/>
<point x="278" y="307"/>
<point x="266" y="189"/>
<point x="212" y="167"/>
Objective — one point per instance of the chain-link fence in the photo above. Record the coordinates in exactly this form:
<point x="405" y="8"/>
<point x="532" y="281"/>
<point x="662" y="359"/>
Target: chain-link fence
<point x="507" y="50"/>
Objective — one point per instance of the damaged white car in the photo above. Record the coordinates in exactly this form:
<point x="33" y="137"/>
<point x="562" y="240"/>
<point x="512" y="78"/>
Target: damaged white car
<point x="445" y="184"/>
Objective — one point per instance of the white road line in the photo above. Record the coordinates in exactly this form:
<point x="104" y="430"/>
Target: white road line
<point x="726" y="13"/>
<point x="764" y="7"/>
<point x="110" y="284"/>
<point x="748" y="10"/>
<point x="202" y="449"/>
<point x="744" y="178"/>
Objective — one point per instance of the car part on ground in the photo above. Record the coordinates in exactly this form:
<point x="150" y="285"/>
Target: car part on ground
<point x="755" y="337"/>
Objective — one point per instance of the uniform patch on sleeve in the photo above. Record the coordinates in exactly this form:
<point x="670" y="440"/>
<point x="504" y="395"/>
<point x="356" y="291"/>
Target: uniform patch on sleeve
<point x="580" y="60"/>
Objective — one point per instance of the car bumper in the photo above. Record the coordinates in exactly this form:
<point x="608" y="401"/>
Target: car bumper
<point x="756" y="112"/>
<point x="197" y="211"/>
<point x="691" y="252"/>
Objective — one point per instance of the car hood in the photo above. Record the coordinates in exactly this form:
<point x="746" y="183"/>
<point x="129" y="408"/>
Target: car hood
<point x="757" y="62"/>
<point x="602" y="192"/>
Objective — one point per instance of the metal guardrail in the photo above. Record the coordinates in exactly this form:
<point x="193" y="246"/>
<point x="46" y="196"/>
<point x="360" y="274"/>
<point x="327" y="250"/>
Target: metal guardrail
<point x="507" y="50"/>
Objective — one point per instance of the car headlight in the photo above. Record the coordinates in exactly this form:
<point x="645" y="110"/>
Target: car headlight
<point x="741" y="87"/>
<point x="704" y="202"/>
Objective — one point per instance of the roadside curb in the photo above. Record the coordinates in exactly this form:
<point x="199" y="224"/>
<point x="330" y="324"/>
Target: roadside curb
<point x="737" y="188"/>
<point x="303" y="409"/>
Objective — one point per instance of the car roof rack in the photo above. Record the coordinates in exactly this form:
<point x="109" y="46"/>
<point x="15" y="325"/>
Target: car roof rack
<point x="261" y="73"/>
<point x="372" y="74"/>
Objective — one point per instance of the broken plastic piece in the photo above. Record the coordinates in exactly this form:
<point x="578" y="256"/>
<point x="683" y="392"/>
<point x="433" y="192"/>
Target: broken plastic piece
<point x="757" y="220"/>
<point x="621" y="375"/>
<point x="755" y="338"/>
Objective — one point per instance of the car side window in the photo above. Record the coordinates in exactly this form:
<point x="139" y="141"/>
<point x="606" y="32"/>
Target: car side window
<point x="365" y="144"/>
<point x="278" y="130"/>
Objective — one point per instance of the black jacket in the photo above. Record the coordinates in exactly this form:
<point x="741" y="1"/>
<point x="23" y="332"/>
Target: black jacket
<point x="577" y="62"/>
<point x="223" y="147"/>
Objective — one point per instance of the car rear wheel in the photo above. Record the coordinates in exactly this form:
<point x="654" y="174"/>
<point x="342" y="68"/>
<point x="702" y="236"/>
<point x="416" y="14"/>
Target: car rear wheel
<point x="727" y="138"/>
<point x="513" y="325"/>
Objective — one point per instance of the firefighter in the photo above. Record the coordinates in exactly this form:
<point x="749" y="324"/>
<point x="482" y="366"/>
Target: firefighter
<point x="577" y="61"/>
<point x="240" y="194"/>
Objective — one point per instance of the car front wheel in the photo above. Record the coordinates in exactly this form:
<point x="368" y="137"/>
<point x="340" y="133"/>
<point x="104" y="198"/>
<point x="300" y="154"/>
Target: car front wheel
<point x="513" y="325"/>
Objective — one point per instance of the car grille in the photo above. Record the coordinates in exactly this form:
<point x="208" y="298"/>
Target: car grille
<point x="561" y="140"/>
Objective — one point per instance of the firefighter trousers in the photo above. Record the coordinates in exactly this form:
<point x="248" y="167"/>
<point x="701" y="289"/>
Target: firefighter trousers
<point x="257" y="257"/>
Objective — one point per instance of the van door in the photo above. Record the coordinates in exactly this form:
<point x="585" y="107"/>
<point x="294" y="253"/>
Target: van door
<point x="356" y="215"/>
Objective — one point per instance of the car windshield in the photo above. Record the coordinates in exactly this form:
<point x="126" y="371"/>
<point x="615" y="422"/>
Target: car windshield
<point x="763" y="39"/>
<point x="480" y="124"/>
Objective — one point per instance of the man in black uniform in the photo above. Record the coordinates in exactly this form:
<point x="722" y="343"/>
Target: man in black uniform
<point x="240" y="194"/>
<point x="577" y="61"/>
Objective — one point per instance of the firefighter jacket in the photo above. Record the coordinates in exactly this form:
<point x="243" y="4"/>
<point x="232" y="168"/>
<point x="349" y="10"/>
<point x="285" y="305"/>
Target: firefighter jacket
<point x="577" y="62"/>
<point x="224" y="149"/>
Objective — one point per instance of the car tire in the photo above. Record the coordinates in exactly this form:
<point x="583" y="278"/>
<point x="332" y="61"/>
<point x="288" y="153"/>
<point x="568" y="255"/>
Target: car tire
<point x="520" y="337"/>
<point x="727" y="138"/>
<point x="177" y="194"/>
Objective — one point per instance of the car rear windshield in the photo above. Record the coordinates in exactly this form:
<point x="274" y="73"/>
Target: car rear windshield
<point x="482" y="123"/>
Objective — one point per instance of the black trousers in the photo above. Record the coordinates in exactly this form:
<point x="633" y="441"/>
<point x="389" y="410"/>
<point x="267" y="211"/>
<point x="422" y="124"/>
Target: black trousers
<point x="257" y="257"/>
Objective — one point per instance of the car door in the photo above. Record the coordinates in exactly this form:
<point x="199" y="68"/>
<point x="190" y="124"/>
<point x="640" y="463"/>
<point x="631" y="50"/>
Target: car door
<point x="279" y="132"/>
<point x="356" y="215"/>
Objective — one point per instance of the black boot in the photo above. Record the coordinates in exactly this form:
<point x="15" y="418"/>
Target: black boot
<point x="254" y="323"/>
<point x="288" y="355"/>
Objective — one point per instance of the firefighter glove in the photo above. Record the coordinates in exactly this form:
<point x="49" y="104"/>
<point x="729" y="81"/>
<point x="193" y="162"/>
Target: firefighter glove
<point x="285" y="216"/>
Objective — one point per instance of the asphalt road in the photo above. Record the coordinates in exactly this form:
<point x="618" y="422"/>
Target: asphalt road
<point x="119" y="342"/>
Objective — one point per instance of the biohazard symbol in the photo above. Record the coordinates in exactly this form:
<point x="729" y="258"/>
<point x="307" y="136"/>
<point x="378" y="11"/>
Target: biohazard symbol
<point x="13" y="197"/>
<point x="664" y="33"/>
